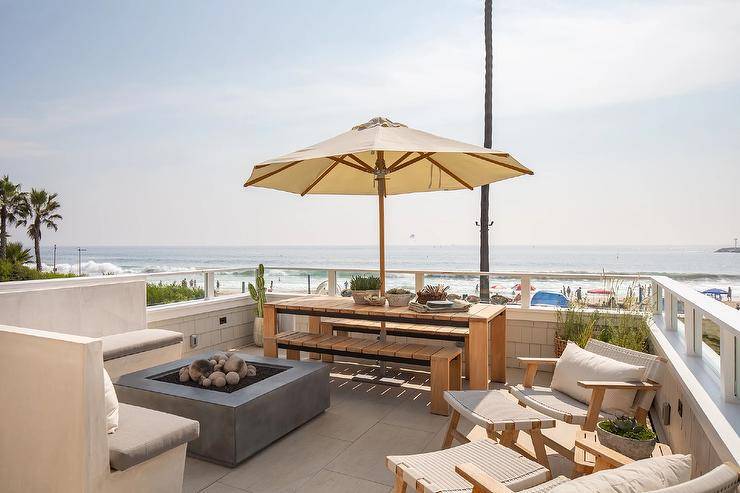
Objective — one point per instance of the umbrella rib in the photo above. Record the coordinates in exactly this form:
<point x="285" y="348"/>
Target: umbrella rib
<point x="361" y="162"/>
<point x="319" y="178"/>
<point x="404" y="156"/>
<point x="422" y="155"/>
<point x="459" y="180"/>
<point x="505" y="165"/>
<point x="267" y="175"/>
<point x="351" y="165"/>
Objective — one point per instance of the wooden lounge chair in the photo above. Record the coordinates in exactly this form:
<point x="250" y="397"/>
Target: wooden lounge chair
<point x="558" y="405"/>
<point x="487" y="467"/>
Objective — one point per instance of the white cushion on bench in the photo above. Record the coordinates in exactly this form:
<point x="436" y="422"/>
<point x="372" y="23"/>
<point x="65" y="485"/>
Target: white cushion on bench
<point x="138" y="341"/>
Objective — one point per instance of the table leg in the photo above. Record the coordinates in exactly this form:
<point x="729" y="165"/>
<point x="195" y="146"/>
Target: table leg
<point x="498" y="348"/>
<point x="326" y="330"/>
<point x="270" y="330"/>
<point x="478" y="355"/>
<point x="314" y="327"/>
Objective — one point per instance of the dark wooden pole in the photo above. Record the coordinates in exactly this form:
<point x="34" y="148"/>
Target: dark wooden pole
<point x="487" y="142"/>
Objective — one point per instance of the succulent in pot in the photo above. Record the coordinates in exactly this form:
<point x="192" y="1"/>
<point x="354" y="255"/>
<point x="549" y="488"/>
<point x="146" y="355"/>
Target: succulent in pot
<point x="257" y="293"/>
<point x="399" y="296"/>
<point x="627" y="436"/>
<point x="432" y="293"/>
<point x="364" y="286"/>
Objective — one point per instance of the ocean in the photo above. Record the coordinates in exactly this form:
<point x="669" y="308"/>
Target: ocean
<point x="697" y="266"/>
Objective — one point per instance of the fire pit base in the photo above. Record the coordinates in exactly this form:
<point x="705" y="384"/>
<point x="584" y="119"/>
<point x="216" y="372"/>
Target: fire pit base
<point x="236" y="425"/>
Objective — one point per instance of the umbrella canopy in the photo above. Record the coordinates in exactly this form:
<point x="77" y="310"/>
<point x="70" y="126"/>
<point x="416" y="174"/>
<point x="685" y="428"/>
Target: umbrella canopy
<point x="409" y="159"/>
<point x="384" y="158"/>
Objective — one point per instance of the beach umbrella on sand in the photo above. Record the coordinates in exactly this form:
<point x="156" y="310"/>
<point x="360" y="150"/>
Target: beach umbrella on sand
<point x="384" y="158"/>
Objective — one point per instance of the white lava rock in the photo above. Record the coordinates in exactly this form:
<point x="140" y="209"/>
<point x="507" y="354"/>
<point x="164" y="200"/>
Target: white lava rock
<point x="251" y="370"/>
<point x="219" y="381"/>
<point x="234" y="363"/>
<point x="206" y="382"/>
<point x="184" y="374"/>
<point x="232" y="378"/>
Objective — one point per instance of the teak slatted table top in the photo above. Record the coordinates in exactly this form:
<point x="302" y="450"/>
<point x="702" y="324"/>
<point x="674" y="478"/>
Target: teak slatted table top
<point x="400" y="328"/>
<point x="341" y="307"/>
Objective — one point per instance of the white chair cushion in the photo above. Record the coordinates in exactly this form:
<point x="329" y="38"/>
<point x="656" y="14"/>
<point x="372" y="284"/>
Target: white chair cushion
<point x="578" y="364"/>
<point x="111" y="404"/>
<point x="638" y="477"/>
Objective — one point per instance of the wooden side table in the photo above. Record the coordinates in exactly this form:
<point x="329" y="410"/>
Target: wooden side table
<point x="591" y="456"/>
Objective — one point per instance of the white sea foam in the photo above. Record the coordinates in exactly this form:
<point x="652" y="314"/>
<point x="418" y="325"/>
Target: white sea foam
<point x="89" y="268"/>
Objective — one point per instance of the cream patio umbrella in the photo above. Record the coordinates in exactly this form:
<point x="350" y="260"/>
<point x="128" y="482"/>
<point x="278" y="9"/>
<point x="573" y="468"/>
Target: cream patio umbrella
<point x="384" y="158"/>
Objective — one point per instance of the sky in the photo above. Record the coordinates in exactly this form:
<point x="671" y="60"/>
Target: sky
<point x="147" y="117"/>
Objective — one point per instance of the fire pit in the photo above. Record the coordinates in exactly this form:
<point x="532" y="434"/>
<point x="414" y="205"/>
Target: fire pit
<point x="236" y="421"/>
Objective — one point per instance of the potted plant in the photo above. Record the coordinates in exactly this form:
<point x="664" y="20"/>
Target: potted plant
<point x="257" y="292"/>
<point x="432" y="293"/>
<point x="398" y="296"/>
<point x="364" y="286"/>
<point x="626" y="436"/>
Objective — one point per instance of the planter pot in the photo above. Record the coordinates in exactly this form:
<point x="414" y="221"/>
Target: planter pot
<point x="399" y="299"/>
<point x="359" y="296"/>
<point x="259" y="334"/>
<point x="634" y="449"/>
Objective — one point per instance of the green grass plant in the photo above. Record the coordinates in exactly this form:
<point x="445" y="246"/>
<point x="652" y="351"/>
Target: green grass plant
<point x="10" y="271"/>
<point x="161" y="293"/>
<point x="364" y="283"/>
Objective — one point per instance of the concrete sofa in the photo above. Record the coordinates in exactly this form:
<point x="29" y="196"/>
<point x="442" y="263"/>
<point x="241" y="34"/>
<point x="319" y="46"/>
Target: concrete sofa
<point x="139" y="349"/>
<point x="52" y="423"/>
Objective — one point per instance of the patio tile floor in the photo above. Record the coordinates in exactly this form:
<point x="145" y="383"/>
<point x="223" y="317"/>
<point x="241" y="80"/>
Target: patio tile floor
<point x="344" y="449"/>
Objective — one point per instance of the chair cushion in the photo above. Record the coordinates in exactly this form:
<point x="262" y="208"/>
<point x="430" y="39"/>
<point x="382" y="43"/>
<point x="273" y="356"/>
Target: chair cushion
<point x="434" y="472"/>
<point x="144" y="433"/>
<point x="111" y="404"/>
<point x="554" y="403"/>
<point x="578" y="364"/>
<point x="138" y="341"/>
<point x="640" y="476"/>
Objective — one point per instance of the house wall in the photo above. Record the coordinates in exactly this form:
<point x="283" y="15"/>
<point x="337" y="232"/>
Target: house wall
<point x="220" y="324"/>
<point x="91" y="307"/>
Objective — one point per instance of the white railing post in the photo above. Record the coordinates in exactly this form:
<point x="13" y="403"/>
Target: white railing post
<point x="332" y="282"/>
<point x="692" y="328"/>
<point x="656" y="296"/>
<point x="669" y="310"/>
<point x="209" y="279"/>
<point x="729" y="366"/>
<point x="418" y="281"/>
<point x="526" y="292"/>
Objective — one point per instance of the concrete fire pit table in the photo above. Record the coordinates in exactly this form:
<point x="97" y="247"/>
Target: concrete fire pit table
<point x="236" y="425"/>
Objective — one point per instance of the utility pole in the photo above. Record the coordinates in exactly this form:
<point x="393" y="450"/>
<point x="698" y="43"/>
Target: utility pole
<point x="54" y="262"/>
<point x="484" y="223"/>
<point x="79" y="260"/>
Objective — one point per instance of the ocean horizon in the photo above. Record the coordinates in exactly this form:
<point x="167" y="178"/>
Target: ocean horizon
<point x="697" y="265"/>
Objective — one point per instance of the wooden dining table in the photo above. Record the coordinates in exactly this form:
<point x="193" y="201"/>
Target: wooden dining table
<point x="486" y="325"/>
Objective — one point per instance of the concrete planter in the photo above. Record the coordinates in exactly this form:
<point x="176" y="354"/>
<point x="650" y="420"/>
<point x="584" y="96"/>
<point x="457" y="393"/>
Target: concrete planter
<point x="259" y="336"/>
<point x="634" y="449"/>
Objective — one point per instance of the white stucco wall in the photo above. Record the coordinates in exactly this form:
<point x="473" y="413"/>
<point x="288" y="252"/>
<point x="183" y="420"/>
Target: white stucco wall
<point x="91" y="307"/>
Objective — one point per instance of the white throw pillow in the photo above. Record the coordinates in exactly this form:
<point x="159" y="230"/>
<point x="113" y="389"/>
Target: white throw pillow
<point x="638" y="477"/>
<point x="578" y="364"/>
<point x="111" y="404"/>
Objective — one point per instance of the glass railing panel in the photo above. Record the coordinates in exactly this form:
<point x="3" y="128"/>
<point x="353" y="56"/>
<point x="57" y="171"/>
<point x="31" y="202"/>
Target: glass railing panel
<point x="162" y="289"/>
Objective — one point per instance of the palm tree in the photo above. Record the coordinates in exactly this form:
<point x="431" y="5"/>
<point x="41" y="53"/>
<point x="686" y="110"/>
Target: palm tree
<point x="487" y="142"/>
<point x="16" y="254"/>
<point x="12" y="204"/>
<point x="42" y="212"/>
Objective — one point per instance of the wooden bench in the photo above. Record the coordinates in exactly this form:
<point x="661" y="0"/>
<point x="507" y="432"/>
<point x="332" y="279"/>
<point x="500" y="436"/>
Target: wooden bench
<point x="343" y="326"/>
<point x="444" y="362"/>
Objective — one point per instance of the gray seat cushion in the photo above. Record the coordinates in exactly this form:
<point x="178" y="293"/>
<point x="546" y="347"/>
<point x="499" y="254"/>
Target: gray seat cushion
<point x="143" y="433"/>
<point x="138" y="341"/>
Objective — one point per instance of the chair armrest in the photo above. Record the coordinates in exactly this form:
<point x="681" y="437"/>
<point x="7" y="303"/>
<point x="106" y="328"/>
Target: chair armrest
<point x="593" y="384"/>
<point x="611" y="457"/>
<point x="537" y="361"/>
<point x="482" y="482"/>
<point x="532" y="365"/>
